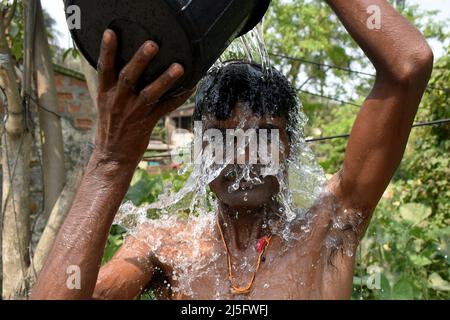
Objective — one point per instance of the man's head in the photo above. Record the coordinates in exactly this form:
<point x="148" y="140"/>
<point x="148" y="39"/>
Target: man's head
<point x="239" y="95"/>
<point x="245" y="83"/>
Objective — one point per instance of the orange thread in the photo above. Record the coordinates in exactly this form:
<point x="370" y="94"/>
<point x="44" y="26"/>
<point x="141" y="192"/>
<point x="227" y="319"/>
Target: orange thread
<point x="236" y="289"/>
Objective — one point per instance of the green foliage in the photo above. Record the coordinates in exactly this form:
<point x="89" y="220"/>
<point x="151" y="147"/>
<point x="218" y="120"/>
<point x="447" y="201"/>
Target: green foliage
<point x="409" y="236"/>
<point x="15" y="29"/>
<point x="14" y="10"/>
<point x="143" y="188"/>
<point x="70" y="53"/>
<point x="333" y="120"/>
<point x="309" y="30"/>
<point x="147" y="295"/>
<point x="115" y="241"/>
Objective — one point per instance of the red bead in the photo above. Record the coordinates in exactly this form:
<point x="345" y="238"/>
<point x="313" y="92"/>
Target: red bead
<point x="261" y="244"/>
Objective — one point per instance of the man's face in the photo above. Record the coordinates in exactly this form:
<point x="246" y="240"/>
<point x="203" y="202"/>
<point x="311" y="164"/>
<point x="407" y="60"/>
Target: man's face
<point x="247" y="194"/>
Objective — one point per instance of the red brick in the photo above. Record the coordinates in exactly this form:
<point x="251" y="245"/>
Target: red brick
<point x="59" y="79"/>
<point x="85" y="96"/>
<point x="78" y="83"/>
<point x="87" y="106"/>
<point x="83" y="123"/>
<point x="65" y="96"/>
<point x="74" y="108"/>
<point x="61" y="108"/>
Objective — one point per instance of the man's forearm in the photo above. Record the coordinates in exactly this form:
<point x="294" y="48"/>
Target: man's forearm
<point x="79" y="247"/>
<point x="395" y="47"/>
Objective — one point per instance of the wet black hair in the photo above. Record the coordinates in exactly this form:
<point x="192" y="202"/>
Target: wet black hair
<point x="244" y="82"/>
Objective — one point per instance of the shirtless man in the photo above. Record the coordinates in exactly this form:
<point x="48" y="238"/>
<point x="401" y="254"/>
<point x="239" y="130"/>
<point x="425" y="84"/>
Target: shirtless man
<point x="307" y="270"/>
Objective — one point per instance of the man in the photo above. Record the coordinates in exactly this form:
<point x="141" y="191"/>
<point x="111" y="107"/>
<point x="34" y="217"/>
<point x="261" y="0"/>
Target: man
<point x="309" y="269"/>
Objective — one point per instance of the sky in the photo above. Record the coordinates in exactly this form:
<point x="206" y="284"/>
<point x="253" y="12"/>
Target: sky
<point x="56" y="9"/>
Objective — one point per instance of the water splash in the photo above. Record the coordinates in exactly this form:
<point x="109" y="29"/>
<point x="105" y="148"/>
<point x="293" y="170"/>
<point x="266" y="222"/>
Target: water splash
<point x="299" y="188"/>
<point x="249" y="47"/>
<point x="300" y="178"/>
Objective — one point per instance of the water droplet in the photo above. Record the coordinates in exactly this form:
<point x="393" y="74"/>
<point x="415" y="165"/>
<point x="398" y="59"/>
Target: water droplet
<point x="349" y="253"/>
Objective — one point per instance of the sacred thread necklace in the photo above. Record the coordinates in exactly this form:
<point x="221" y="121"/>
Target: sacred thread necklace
<point x="263" y="244"/>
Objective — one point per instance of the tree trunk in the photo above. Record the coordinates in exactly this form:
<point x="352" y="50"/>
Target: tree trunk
<point x="16" y="179"/>
<point x="91" y="79"/>
<point x="54" y="172"/>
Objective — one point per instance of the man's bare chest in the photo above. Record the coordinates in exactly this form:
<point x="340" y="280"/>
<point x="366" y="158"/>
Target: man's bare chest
<point x="318" y="263"/>
<point x="283" y="275"/>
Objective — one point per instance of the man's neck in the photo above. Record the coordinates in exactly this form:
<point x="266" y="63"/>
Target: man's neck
<point x="242" y="228"/>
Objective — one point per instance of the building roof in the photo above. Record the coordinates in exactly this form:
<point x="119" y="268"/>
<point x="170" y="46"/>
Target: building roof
<point x="186" y="110"/>
<point x="68" y="72"/>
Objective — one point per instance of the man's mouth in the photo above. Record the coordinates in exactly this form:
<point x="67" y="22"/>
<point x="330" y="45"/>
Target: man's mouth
<point x="247" y="185"/>
<point x="253" y="180"/>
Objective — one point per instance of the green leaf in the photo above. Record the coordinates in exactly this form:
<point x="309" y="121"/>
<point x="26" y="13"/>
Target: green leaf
<point x="419" y="260"/>
<point x="139" y="175"/>
<point x="112" y="245"/>
<point x="403" y="290"/>
<point x="438" y="232"/>
<point x="414" y="212"/>
<point x="386" y="290"/>
<point x="436" y="282"/>
<point x="144" y="189"/>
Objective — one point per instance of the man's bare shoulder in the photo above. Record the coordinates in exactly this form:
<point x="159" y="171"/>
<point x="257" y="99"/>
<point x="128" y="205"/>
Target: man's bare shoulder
<point x="173" y="238"/>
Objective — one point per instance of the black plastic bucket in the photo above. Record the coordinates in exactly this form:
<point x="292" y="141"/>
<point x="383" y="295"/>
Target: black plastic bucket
<point x="191" y="32"/>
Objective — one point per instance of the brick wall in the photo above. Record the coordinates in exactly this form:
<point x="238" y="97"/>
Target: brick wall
<point x="74" y="101"/>
<point x="77" y="119"/>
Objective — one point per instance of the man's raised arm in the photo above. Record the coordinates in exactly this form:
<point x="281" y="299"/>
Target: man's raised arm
<point x="124" y="125"/>
<point x="403" y="61"/>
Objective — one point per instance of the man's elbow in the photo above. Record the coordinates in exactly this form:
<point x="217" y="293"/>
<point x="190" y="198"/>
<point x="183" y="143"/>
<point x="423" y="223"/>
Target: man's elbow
<point x="415" y="69"/>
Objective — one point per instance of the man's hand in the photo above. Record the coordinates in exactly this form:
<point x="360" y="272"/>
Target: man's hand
<point x="126" y="118"/>
<point x="125" y="122"/>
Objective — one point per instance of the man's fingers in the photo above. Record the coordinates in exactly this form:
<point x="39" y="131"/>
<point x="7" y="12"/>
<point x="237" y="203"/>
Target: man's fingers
<point x="171" y="104"/>
<point x="131" y="73"/>
<point x="154" y="91"/>
<point x="106" y="63"/>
